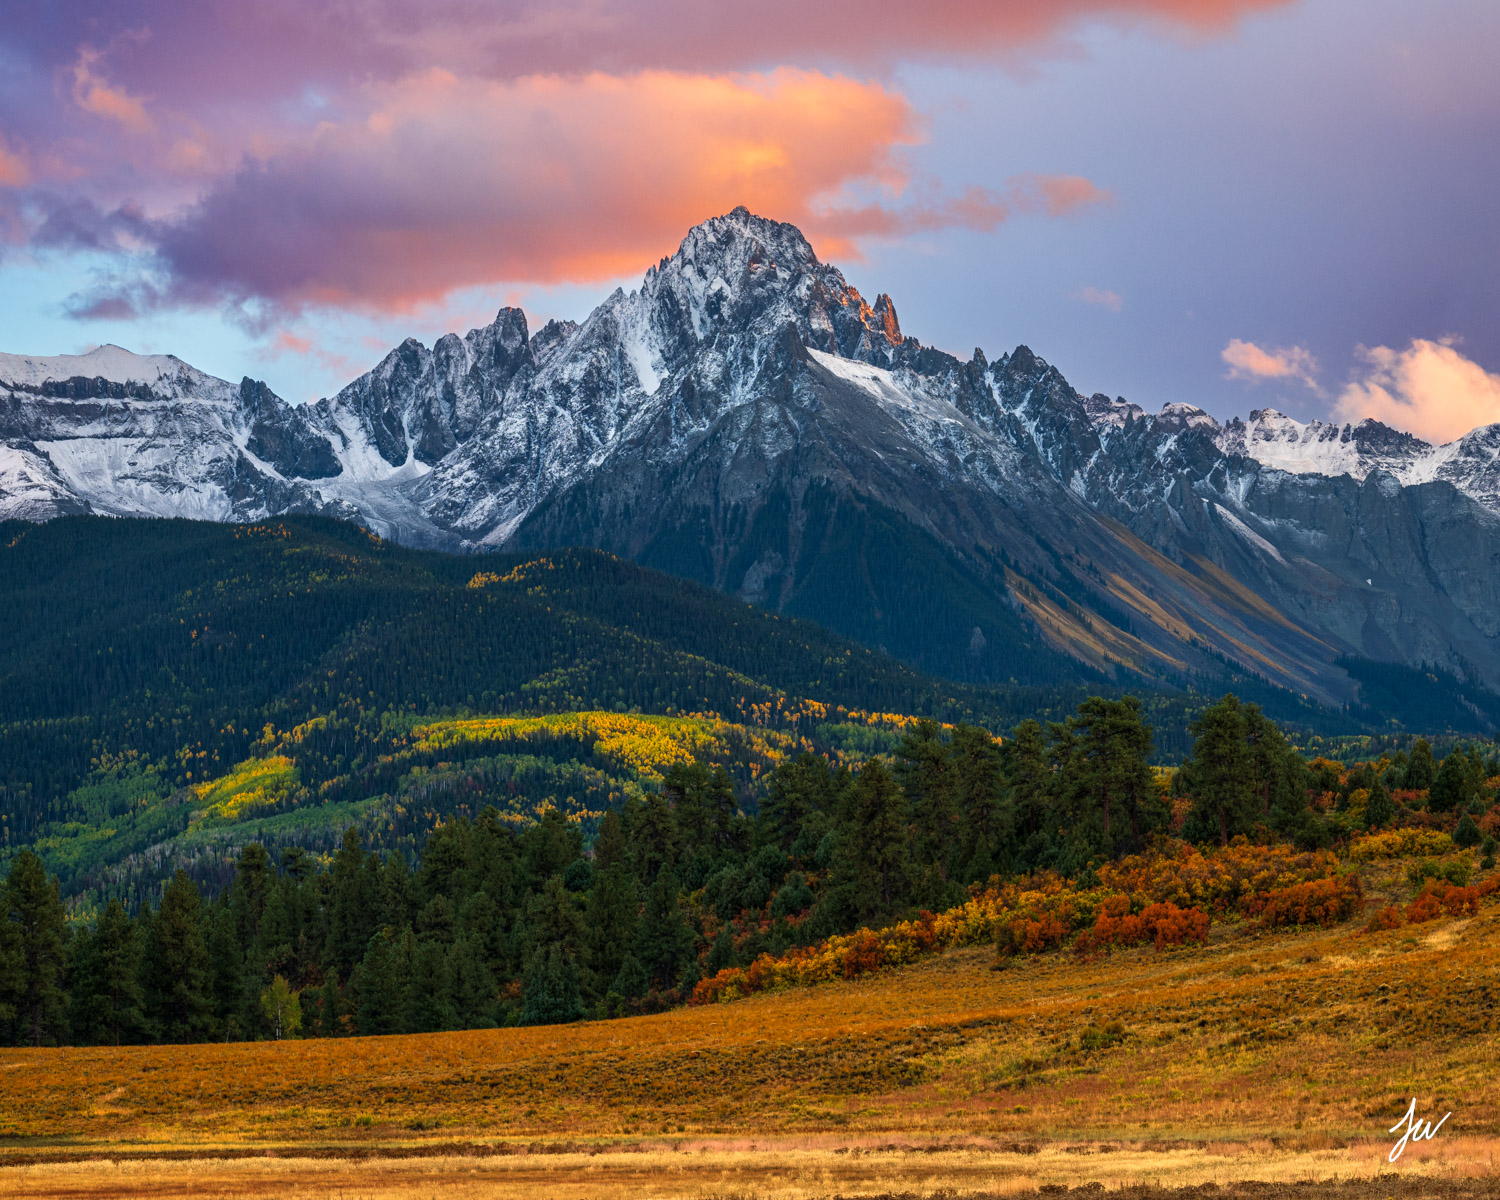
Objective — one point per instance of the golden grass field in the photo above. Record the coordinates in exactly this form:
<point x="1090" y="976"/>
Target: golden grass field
<point x="1277" y="1057"/>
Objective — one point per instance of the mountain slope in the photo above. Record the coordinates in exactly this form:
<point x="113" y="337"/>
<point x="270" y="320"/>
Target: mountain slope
<point x="747" y="420"/>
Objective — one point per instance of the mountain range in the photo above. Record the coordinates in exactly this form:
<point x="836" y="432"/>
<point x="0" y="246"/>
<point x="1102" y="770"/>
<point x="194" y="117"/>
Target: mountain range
<point x="746" y="419"/>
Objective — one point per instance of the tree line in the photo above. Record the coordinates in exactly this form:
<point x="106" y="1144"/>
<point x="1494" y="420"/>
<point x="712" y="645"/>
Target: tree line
<point x="500" y="924"/>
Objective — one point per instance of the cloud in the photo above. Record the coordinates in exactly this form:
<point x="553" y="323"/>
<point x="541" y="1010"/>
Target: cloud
<point x="452" y="182"/>
<point x="1250" y="362"/>
<point x="188" y="53"/>
<point x="13" y="172"/>
<point x="94" y="94"/>
<point x="1103" y="298"/>
<point x="377" y="153"/>
<point x="1429" y="389"/>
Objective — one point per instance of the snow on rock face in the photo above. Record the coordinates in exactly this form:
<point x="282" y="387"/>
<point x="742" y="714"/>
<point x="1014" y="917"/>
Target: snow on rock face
<point x="163" y="375"/>
<point x="742" y="362"/>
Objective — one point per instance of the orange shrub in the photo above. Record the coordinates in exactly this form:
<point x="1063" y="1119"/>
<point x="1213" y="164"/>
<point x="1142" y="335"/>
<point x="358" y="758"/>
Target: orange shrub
<point x="1388" y="917"/>
<point x="1219" y="881"/>
<point x="1317" y="902"/>
<point x="1163" y="923"/>
<point x="1441" y="898"/>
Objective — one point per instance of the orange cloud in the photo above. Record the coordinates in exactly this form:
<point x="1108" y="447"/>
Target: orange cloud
<point x="1100" y="296"/>
<point x="93" y="93"/>
<point x="13" y="172"/>
<point x="1250" y="362"/>
<point x="452" y="182"/>
<point x="1429" y="389"/>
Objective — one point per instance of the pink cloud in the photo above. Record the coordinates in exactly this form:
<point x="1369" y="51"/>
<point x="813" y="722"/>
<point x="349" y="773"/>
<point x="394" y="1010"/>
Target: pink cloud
<point x="1254" y="364"/>
<point x="380" y="153"/>
<point x="451" y="182"/>
<point x="13" y="172"/>
<point x="1429" y="389"/>
<point x="1101" y="297"/>
<point x="94" y="94"/>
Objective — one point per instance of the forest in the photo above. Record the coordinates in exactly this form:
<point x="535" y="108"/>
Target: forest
<point x="671" y="888"/>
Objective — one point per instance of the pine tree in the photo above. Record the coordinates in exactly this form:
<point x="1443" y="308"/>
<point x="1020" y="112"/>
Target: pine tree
<point x="32" y="904"/>
<point x="176" y="965"/>
<point x="106" y="997"/>
<point x="1380" y="809"/>
<point x="474" y="986"/>
<point x="925" y="774"/>
<point x="1467" y="833"/>
<point x="550" y="995"/>
<point x="1218" y="772"/>
<point x="877" y="859"/>
<point x="983" y="802"/>
<point x="611" y="919"/>
<point x="1451" y="788"/>
<point x="798" y="792"/>
<point x="1110" y="766"/>
<point x="664" y="941"/>
<point x="1421" y="770"/>
<point x="1030" y="774"/>
<point x="378" y="996"/>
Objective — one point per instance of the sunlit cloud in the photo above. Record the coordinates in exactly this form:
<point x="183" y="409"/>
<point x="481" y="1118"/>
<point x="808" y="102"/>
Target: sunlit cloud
<point x="1429" y="389"/>
<point x="453" y="182"/>
<point x="1101" y="297"/>
<point x="1255" y="364"/>
<point x="94" y="94"/>
<point x="13" y="172"/>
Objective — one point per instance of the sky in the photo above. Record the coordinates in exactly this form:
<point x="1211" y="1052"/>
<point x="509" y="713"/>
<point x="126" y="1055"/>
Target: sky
<point x="1236" y="204"/>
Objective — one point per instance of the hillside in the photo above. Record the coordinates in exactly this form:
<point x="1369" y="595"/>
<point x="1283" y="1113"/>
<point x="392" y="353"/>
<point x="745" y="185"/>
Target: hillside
<point x="142" y="660"/>
<point x="1261" y="1054"/>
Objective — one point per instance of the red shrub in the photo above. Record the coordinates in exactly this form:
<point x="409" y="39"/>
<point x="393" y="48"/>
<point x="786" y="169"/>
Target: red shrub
<point x="1164" y="923"/>
<point x="1440" y="898"/>
<point x="1318" y="902"/>
<point x="866" y="952"/>
<point x="1388" y="917"/>
<point x="1031" y="935"/>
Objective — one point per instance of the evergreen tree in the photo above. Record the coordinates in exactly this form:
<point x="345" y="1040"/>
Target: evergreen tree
<point x="106" y="1000"/>
<point x="1110" y="767"/>
<point x="379" y="988"/>
<point x="652" y="832"/>
<point x="631" y="982"/>
<point x="1029" y="769"/>
<point x="799" y="792"/>
<point x="550" y="995"/>
<point x="1451" y="789"/>
<point x="925" y="774"/>
<point x="664" y="941"/>
<point x="611" y="919"/>
<point x="32" y="905"/>
<point x="876" y="861"/>
<point x="331" y="1008"/>
<point x="1219" y="774"/>
<point x="474" y="986"/>
<point x="1421" y="770"/>
<point x="176" y="965"/>
<point x="987" y="819"/>
<point x="430" y="1007"/>
<point x="610" y="849"/>
<point x="1467" y="833"/>
<point x="1380" y="809"/>
<point x="227" y="970"/>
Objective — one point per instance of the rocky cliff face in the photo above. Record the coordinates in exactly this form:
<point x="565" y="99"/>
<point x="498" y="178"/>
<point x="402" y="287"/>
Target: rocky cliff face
<point x="747" y="419"/>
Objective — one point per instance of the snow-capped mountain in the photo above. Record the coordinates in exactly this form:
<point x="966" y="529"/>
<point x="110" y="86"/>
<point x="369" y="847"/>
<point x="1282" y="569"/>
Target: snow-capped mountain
<point x="747" y="419"/>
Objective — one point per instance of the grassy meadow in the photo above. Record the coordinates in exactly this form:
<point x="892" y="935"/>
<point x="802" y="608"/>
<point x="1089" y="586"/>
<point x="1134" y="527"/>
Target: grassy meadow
<point x="1277" y="1056"/>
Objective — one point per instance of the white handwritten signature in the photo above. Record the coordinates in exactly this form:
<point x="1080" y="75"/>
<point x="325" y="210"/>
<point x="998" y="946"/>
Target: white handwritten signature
<point x="1416" y="1130"/>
